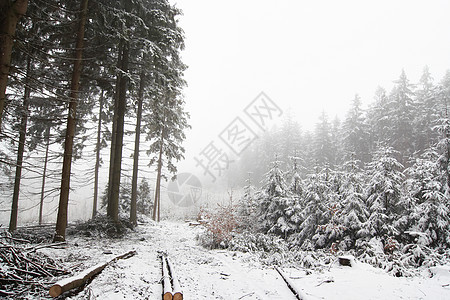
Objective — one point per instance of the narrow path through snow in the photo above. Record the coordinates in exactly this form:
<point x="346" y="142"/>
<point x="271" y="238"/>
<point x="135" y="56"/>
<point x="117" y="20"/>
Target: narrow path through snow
<point x="216" y="274"/>
<point x="203" y="274"/>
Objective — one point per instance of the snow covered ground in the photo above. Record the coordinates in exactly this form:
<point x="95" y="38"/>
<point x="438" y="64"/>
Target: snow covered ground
<point x="219" y="274"/>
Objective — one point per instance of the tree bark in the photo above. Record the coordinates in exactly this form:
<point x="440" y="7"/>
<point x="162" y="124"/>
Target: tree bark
<point x="10" y="14"/>
<point x="113" y="203"/>
<point x="157" y="204"/>
<point x="20" y="150"/>
<point x="113" y="131"/>
<point x="61" y="222"/>
<point x="134" y="180"/>
<point x="97" y="156"/>
<point x="47" y="146"/>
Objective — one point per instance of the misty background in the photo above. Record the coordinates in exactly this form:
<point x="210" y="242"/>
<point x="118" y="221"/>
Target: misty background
<point x="307" y="57"/>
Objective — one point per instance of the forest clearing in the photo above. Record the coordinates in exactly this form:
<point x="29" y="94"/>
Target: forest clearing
<point x="308" y="143"/>
<point x="220" y="274"/>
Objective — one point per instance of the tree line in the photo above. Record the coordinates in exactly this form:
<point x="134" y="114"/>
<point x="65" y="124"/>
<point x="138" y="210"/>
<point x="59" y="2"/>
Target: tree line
<point x="382" y="178"/>
<point x="72" y="70"/>
<point x="403" y="119"/>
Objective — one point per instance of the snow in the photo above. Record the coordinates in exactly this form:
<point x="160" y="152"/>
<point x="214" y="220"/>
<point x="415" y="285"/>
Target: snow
<point x="363" y="280"/>
<point x="223" y="274"/>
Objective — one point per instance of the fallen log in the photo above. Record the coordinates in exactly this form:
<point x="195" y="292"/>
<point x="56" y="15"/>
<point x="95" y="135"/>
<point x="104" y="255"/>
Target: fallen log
<point x="167" y="287"/>
<point x="177" y="293"/>
<point x="298" y="293"/>
<point x="69" y="283"/>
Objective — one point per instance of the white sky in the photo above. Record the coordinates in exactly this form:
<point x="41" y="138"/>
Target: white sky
<point x="307" y="56"/>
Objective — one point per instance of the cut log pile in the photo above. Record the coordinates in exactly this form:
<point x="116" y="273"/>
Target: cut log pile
<point x="171" y="285"/>
<point x="23" y="270"/>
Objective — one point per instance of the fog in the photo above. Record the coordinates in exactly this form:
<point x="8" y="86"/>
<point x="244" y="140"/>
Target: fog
<point x="307" y="56"/>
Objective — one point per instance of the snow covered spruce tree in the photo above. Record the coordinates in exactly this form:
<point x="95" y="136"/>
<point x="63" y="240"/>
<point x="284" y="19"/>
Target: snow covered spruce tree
<point x="430" y="215"/>
<point x="427" y="112"/>
<point x="330" y="229"/>
<point x="294" y="178"/>
<point x="402" y="112"/>
<point x="428" y="185"/>
<point x="273" y="201"/>
<point x="355" y="132"/>
<point x="247" y="207"/>
<point x="378" y="123"/>
<point x="354" y="209"/>
<point x="434" y="195"/>
<point x="384" y="192"/>
<point x="311" y="210"/>
<point x="324" y="152"/>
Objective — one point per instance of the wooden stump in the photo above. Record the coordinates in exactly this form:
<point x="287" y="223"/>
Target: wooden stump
<point x="348" y="261"/>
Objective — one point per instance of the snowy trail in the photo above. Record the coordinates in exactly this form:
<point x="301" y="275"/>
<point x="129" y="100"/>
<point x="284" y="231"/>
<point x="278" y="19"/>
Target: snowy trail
<point x="203" y="274"/>
<point x="220" y="274"/>
<point x="215" y="274"/>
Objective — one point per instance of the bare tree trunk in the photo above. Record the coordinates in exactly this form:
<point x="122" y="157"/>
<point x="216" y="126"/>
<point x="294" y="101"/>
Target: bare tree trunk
<point x="113" y="131"/>
<point x="97" y="155"/>
<point x="61" y="222"/>
<point x="10" y="14"/>
<point x="47" y="146"/>
<point x="157" y="204"/>
<point x="113" y="203"/>
<point x="20" y="150"/>
<point x="134" y="180"/>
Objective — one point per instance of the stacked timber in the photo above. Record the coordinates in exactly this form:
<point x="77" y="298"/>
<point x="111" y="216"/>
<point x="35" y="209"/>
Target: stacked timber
<point x="171" y="285"/>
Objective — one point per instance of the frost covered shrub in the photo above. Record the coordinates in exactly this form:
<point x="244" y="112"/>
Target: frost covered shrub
<point x="219" y="226"/>
<point x="273" y="250"/>
<point x="415" y="255"/>
<point x="396" y="259"/>
<point x="370" y="251"/>
<point x="252" y="242"/>
<point x="206" y="239"/>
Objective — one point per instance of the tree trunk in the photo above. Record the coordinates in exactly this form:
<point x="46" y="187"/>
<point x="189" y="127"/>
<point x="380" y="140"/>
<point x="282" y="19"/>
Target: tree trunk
<point x="47" y="146"/>
<point x="113" y="203"/>
<point x="61" y="222"/>
<point x="134" y="180"/>
<point x="10" y="14"/>
<point x="20" y="150"/>
<point x="97" y="156"/>
<point x="113" y="131"/>
<point x="157" y="204"/>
